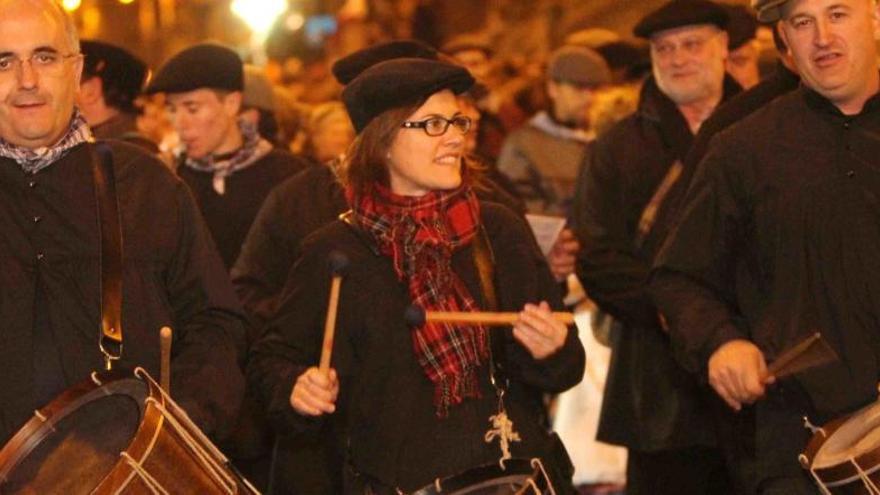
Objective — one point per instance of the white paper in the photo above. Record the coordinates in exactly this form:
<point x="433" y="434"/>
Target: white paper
<point x="546" y="229"/>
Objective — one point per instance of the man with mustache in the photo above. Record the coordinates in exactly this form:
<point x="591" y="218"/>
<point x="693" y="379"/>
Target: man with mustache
<point x="50" y="244"/>
<point x="780" y="238"/>
<point x="652" y="406"/>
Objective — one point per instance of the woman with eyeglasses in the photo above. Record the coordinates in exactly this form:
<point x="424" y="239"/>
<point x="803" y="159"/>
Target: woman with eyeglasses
<point x="416" y="402"/>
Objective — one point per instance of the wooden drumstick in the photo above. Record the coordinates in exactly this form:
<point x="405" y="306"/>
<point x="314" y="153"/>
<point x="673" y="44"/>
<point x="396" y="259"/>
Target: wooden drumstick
<point x="808" y="353"/>
<point x="338" y="264"/>
<point x="416" y="316"/>
<point x="165" y="359"/>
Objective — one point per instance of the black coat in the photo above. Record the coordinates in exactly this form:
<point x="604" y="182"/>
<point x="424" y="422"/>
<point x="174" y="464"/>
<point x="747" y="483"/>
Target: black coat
<point x="50" y="287"/>
<point x="297" y="207"/>
<point x="229" y="216"/>
<point x="781" y="238"/>
<point x="730" y="112"/>
<point x="386" y="401"/>
<point x="650" y="402"/>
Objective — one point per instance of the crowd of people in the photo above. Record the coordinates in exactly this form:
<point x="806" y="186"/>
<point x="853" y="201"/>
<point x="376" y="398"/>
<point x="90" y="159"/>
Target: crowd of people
<point x="712" y="204"/>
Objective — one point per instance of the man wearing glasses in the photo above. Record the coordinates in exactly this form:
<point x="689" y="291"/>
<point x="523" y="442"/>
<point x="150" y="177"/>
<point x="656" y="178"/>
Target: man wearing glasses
<point x="655" y="408"/>
<point x="50" y="244"/>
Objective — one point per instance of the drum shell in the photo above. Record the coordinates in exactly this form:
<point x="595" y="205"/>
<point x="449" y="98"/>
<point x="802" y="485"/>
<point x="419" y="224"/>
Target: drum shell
<point x="170" y="459"/>
<point x="837" y="474"/>
<point x="520" y="469"/>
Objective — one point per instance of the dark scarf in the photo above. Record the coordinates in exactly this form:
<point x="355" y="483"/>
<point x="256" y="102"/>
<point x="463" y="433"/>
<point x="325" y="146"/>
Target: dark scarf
<point x="33" y="160"/>
<point x="253" y="148"/>
<point x="420" y="234"/>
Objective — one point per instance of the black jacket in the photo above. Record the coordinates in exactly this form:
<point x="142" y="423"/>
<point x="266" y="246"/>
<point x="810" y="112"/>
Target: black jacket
<point x="50" y="287"/>
<point x="781" y="238"/>
<point x="229" y="216"/>
<point x="650" y="402"/>
<point x="730" y="112"/>
<point x="386" y="401"/>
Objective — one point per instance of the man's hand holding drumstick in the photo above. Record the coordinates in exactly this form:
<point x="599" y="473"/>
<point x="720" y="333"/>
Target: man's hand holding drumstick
<point x="740" y="375"/>
<point x="316" y="390"/>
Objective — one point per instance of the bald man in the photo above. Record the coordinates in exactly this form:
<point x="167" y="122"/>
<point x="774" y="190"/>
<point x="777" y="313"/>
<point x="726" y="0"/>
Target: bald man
<point x="781" y="238"/>
<point x="50" y="244"/>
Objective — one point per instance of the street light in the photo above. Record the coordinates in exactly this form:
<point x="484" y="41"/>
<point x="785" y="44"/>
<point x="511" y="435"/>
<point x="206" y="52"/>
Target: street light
<point x="259" y="15"/>
<point x="71" y="5"/>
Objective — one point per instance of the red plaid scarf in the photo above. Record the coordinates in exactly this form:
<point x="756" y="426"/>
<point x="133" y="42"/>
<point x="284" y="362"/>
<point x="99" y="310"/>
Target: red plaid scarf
<point x="420" y="234"/>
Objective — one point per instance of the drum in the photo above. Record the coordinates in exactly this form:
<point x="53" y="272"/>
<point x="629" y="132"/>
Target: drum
<point x="519" y="476"/>
<point x="843" y="457"/>
<point x="115" y="433"/>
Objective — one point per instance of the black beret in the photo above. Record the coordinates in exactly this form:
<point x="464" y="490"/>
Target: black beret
<point x="624" y="53"/>
<point x="769" y="11"/>
<point x="678" y="13"/>
<point x="742" y="26"/>
<point x="206" y="65"/>
<point x="116" y="67"/>
<point x="400" y="82"/>
<point x="347" y="68"/>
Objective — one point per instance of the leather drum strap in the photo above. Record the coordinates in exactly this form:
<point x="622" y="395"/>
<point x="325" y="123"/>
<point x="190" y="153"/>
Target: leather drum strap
<point x="110" y="254"/>
<point x="649" y="214"/>
<point x="485" y="262"/>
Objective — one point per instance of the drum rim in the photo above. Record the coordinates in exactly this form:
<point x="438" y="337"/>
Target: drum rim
<point x="843" y="472"/>
<point x="516" y="465"/>
<point x="35" y="430"/>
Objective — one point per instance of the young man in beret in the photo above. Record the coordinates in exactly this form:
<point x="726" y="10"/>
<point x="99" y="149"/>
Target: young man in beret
<point x="779" y="239"/>
<point x="226" y="163"/>
<point x="112" y="79"/>
<point x="652" y="406"/>
<point x="50" y="252"/>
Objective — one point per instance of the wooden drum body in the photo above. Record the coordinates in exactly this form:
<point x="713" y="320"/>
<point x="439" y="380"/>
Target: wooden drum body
<point x="843" y="457"/>
<point x="117" y="433"/>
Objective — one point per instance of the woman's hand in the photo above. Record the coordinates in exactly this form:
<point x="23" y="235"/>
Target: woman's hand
<point x="315" y="394"/>
<point x="537" y="330"/>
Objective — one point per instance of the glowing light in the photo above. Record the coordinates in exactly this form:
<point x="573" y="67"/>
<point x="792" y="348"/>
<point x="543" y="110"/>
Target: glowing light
<point x="294" y="21"/>
<point x="71" y="5"/>
<point x="259" y="15"/>
<point x="126" y="2"/>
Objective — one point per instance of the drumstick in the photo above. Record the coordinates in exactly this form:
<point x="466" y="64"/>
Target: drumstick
<point x="810" y="352"/>
<point x="165" y="359"/>
<point x="416" y="317"/>
<point x="338" y="264"/>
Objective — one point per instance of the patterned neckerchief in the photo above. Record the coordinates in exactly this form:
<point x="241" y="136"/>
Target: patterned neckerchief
<point x="420" y="234"/>
<point x="32" y="161"/>
<point x="253" y="148"/>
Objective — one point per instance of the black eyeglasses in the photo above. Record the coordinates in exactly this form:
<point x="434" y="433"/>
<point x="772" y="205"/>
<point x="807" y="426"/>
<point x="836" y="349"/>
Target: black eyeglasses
<point x="437" y="126"/>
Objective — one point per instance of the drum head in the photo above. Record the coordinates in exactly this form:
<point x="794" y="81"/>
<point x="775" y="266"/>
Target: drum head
<point x="78" y="446"/>
<point x="860" y="434"/>
<point x="491" y="480"/>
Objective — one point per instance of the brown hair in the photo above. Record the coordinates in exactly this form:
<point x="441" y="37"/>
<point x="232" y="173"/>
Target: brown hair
<point x="366" y="160"/>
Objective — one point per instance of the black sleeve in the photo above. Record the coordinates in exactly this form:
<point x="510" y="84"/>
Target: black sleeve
<point x="607" y="265"/>
<point x="292" y="341"/>
<point x="522" y="276"/>
<point x="208" y="327"/>
<point x="695" y="271"/>
<point x="267" y="255"/>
